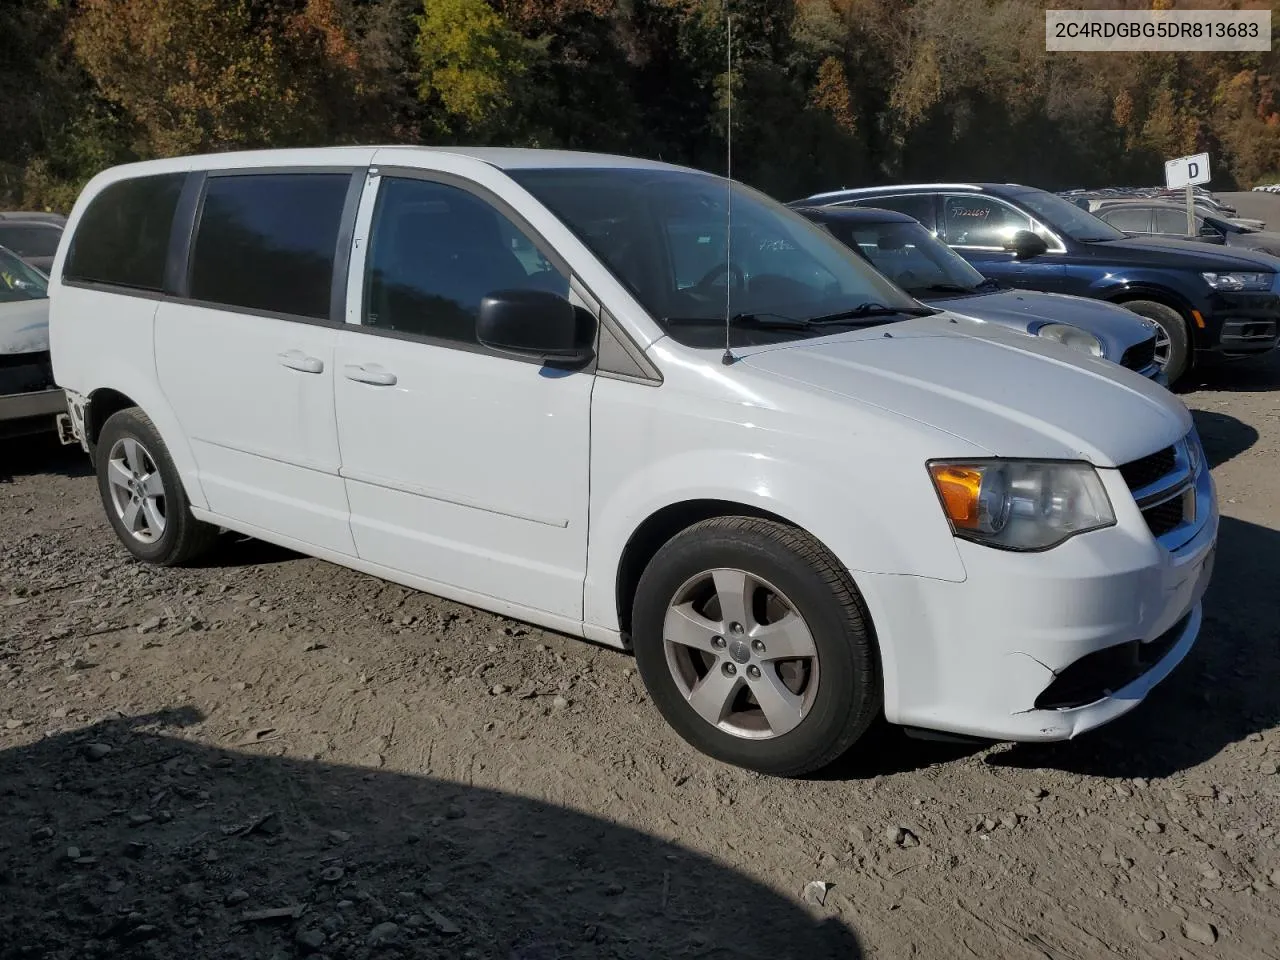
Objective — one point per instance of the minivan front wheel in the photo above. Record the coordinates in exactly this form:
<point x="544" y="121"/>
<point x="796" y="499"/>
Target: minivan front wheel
<point x="143" y="494"/>
<point x="754" y="644"/>
<point x="1173" y="340"/>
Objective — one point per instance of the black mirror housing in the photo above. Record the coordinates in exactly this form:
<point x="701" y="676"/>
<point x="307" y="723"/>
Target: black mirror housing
<point x="1026" y="245"/>
<point x="535" y="324"/>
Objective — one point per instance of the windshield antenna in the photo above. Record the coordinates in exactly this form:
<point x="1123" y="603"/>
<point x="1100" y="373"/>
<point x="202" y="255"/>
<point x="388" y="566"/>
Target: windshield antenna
<point x="728" y="357"/>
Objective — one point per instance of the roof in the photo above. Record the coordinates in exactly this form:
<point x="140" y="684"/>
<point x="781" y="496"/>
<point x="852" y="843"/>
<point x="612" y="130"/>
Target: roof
<point x="896" y="188"/>
<point x="503" y="158"/>
<point x="851" y="214"/>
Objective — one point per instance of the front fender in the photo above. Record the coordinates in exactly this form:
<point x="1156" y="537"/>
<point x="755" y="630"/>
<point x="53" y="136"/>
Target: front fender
<point x="904" y="533"/>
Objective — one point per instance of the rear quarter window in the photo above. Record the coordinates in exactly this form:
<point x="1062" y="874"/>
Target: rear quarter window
<point x="122" y="238"/>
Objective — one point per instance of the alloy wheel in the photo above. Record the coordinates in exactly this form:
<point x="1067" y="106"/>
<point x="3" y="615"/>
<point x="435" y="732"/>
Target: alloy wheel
<point x="741" y="654"/>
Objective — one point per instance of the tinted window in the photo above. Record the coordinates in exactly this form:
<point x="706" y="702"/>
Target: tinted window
<point x="267" y="241"/>
<point x="973" y="221"/>
<point x="436" y="251"/>
<point x="30" y="239"/>
<point x="123" y="236"/>
<point x="917" y="205"/>
<point x="1129" y="219"/>
<point x="664" y="235"/>
<point x="1174" y="222"/>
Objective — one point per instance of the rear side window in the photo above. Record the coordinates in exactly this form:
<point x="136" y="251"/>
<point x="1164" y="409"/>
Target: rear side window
<point x="917" y="205"/>
<point x="268" y="242"/>
<point x="123" y="237"/>
<point x="1130" y="219"/>
<point x="30" y="239"/>
<point x="1173" y="222"/>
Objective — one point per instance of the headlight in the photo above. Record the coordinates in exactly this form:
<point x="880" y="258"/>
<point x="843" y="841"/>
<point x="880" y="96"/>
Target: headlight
<point x="1072" y="337"/>
<point x="1195" y="451"/>
<point x="1239" y="281"/>
<point x="1021" y="504"/>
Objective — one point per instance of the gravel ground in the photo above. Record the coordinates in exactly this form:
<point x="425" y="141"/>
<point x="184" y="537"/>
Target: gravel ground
<point x="269" y="756"/>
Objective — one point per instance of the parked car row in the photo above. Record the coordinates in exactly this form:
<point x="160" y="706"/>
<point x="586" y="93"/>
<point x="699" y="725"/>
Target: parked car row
<point x="1204" y="298"/>
<point x="1269" y="188"/>
<point x="813" y="498"/>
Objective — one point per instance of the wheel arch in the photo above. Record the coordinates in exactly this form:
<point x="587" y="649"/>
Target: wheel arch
<point x="104" y="401"/>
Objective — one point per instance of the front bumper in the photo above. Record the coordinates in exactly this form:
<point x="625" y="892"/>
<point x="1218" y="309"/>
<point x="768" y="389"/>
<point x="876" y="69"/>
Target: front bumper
<point x="1012" y="653"/>
<point x="1243" y="324"/>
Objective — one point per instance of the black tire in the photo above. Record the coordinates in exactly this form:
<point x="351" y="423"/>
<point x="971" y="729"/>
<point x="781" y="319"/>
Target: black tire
<point x="182" y="537"/>
<point x="1174" y="326"/>
<point x="848" y="693"/>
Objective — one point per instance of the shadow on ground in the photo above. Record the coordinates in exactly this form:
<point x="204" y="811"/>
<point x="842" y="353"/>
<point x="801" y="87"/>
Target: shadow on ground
<point x="41" y="453"/>
<point x="162" y="848"/>
<point x="1223" y="436"/>
<point x="1243" y="375"/>
<point x="1224" y="690"/>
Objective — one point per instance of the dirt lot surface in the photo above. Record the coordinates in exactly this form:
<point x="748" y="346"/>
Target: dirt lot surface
<point x="270" y="757"/>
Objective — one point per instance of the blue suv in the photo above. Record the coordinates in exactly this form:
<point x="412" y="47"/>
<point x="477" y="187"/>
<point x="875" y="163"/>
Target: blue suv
<point x="1206" y="300"/>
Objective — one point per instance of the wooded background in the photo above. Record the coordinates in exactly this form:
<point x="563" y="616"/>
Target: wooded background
<point x="827" y="93"/>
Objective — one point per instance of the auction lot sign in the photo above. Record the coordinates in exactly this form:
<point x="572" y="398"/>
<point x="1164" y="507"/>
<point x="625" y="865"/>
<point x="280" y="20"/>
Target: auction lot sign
<point x="1199" y="31"/>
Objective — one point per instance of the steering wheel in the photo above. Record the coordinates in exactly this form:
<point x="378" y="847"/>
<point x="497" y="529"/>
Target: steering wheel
<point x="721" y="270"/>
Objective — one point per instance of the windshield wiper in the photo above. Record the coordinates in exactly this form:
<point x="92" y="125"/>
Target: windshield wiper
<point x="760" y="321"/>
<point x="945" y="288"/>
<point x="870" y="310"/>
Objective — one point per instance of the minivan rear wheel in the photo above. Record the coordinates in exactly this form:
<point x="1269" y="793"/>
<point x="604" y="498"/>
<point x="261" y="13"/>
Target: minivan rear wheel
<point x="1173" y="340"/>
<point x="143" y="494"/>
<point x="755" y="646"/>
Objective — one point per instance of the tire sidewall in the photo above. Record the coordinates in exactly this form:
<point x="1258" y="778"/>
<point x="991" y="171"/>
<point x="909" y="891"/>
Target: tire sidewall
<point x="848" y="681"/>
<point x="1173" y="323"/>
<point x="128" y="424"/>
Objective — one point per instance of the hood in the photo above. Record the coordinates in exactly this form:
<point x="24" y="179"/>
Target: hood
<point x="1267" y="241"/>
<point x="1117" y="328"/>
<point x="24" y="326"/>
<point x="1179" y="252"/>
<point x="1010" y="396"/>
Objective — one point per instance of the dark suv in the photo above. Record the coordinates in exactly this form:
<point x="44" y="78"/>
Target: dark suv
<point x="1205" y="299"/>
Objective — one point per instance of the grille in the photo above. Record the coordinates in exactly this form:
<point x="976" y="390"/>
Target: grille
<point x="1140" y="473"/>
<point x="1140" y="355"/>
<point x="1165" y="517"/>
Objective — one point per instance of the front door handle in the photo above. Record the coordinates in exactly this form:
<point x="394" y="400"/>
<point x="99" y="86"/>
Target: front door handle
<point x="297" y="360"/>
<point x="371" y="373"/>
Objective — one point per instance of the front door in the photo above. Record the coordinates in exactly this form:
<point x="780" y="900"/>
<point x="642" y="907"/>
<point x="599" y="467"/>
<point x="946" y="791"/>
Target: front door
<point x="246" y="360"/>
<point x="463" y="467"/>
<point x="979" y="226"/>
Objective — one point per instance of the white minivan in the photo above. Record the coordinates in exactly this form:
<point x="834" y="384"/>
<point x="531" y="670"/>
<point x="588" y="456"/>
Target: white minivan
<point x="505" y="377"/>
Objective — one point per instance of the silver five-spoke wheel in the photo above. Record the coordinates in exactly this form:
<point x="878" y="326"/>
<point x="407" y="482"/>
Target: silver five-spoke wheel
<point x="741" y="654"/>
<point x="137" y="489"/>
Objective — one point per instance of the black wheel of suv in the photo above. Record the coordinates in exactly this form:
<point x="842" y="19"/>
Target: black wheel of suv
<point x="143" y="494"/>
<point x="1173" y="339"/>
<point x="755" y="646"/>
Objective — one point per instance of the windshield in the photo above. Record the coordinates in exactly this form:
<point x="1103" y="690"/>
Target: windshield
<point x="19" y="281"/>
<point x="1065" y="217"/>
<point x="663" y="235"/>
<point x="909" y="255"/>
<point x="30" y="239"/>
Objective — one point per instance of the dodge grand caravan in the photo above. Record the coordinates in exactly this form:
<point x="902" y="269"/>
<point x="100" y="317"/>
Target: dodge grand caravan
<point x="505" y="377"/>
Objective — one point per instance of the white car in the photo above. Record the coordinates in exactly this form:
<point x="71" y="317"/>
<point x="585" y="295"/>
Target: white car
<point x="29" y="400"/>
<point x="505" y="377"/>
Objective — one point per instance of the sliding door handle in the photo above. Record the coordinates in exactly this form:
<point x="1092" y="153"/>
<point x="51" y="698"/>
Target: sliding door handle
<point x="297" y="360"/>
<point x="370" y="373"/>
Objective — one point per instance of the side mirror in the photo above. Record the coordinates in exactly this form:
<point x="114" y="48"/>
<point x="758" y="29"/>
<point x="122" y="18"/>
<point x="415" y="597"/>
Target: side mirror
<point x="535" y="324"/>
<point x="1026" y="245"/>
